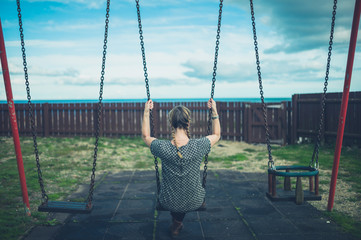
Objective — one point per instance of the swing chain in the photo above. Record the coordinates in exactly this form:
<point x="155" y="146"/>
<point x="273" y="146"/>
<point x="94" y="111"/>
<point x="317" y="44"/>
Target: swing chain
<point x="213" y="86"/>
<point x="148" y="91"/>
<point x="206" y="156"/>
<point x="97" y="133"/>
<point x="142" y="49"/>
<point x="314" y="161"/>
<point x="155" y="158"/>
<point x="44" y="196"/>
<point x="270" y="160"/>
<point x="217" y="47"/>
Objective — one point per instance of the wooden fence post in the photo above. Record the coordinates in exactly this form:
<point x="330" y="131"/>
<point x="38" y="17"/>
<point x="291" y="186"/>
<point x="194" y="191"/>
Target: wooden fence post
<point x="289" y="122"/>
<point x="45" y="119"/>
<point x="156" y="117"/>
<point x="294" y="118"/>
<point x="246" y="122"/>
<point x="283" y="119"/>
<point x="238" y="112"/>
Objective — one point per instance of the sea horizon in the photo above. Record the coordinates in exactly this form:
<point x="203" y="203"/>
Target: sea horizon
<point x="154" y="99"/>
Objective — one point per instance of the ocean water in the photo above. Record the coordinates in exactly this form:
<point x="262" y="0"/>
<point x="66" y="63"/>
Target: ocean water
<point x="156" y="100"/>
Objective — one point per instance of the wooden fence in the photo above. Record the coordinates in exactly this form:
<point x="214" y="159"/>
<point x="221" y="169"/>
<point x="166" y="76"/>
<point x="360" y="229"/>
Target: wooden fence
<point x="289" y="122"/>
<point x="306" y="109"/>
<point x="79" y="119"/>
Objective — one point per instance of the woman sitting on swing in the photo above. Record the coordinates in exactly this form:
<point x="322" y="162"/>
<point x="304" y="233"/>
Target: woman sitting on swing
<point x="181" y="187"/>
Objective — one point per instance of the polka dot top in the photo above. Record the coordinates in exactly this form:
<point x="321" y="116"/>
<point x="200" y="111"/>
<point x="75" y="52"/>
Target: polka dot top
<point x="181" y="186"/>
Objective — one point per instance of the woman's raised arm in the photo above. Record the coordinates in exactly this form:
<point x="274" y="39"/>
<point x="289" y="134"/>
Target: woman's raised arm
<point x="145" y="125"/>
<point x="216" y="127"/>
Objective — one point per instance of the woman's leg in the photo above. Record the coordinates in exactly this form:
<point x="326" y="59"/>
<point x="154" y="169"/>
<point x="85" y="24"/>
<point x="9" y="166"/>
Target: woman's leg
<point x="177" y="225"/>
<point x="178" y="216"/>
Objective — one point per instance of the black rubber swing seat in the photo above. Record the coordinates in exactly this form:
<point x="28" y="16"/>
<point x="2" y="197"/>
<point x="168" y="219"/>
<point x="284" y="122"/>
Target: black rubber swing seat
<point x="288" y="194"/>
<point x="306" y="171"/>
<point x="202" y="208"/>
<point x="65" y="207"/>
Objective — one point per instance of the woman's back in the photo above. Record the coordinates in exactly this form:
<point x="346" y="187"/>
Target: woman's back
<point x="181" y="187"/>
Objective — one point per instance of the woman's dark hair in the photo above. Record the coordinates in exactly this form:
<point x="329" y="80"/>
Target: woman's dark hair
<point x="179" y="117"/>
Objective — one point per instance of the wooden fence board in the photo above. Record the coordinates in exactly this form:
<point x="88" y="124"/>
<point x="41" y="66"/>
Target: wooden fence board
<point x="4" y="112"/>
<point x="77" y="119"/>
<point x="89" y="118"/>
<point x="27" y="123"/>
<point x="19" y="117"/>
<point x="60" y="119"/>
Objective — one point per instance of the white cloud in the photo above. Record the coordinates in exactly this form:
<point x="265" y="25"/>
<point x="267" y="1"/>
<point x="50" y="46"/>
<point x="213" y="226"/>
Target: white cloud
<point x="44" y="44"/>
<point x="91" y="4"/>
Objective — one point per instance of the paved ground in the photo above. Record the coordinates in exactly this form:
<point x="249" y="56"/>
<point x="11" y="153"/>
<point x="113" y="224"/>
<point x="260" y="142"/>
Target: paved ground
<point x="237" y="208"/>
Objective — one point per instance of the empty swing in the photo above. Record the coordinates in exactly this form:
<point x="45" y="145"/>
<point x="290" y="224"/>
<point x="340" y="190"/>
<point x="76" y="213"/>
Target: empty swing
<point x="204" y="179"/>
<point x="311" y="171"/>
<point x="64" y="206"/>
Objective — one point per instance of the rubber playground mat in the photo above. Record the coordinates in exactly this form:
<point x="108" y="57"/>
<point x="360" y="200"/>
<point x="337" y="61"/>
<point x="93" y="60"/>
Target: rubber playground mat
<point x="237" y="208"/>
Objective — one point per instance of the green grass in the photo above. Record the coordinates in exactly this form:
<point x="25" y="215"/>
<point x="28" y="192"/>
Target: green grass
<point x="67" y="162"/>
<point x="347" y="223"/>
<point x="229" y="161"/>
<point x="303" y="154"/>
<point x="250" y="150"/>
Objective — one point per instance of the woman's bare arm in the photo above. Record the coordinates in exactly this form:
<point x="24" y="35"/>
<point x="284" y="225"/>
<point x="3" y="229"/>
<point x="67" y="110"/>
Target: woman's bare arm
<point x="145" y="125"/>
<point x="216" y="127"/>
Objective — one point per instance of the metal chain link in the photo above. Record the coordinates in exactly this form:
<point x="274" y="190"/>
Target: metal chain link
<point x="314" y="161"/>
<point x="270" y="160"/>
<point x="92" y="179"/>
<point x="148" y="91"/>
<point x="155" y="158"/>
<point x="142" y="49"/>
<point x="213" y="86"/>
<point x="44" y="196"/>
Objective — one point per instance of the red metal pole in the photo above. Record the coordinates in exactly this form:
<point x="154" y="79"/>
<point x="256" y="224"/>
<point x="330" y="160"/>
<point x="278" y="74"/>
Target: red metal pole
<point x="343" y="111"/>
<point x="14" y="125"/>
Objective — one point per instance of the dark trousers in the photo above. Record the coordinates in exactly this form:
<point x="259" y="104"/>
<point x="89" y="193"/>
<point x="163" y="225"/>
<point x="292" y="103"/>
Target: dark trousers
<point x="178" y="216"/>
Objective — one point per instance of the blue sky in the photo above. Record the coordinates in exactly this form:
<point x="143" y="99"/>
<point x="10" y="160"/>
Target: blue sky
<point x="64" y="40"/>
